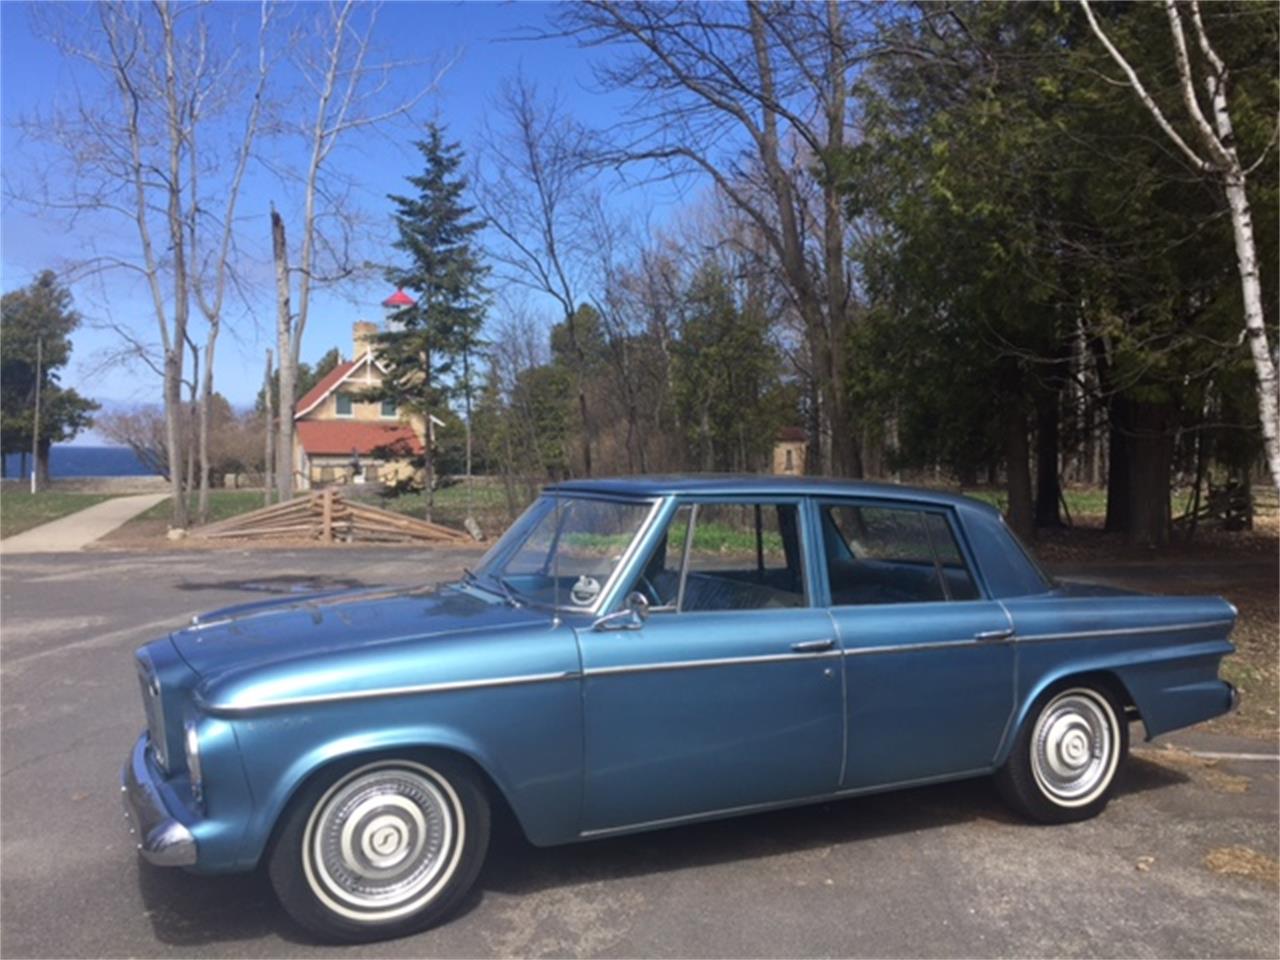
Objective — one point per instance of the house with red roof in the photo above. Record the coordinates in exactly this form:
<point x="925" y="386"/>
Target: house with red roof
<point x="341" y="438"/>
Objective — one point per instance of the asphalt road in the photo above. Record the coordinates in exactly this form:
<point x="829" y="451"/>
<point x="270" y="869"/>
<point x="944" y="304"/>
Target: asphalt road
<point x="1181" y="864"/>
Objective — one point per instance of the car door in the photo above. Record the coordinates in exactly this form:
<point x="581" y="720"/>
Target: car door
<point x="928" y="659"/>
<point x="729" y="694"/>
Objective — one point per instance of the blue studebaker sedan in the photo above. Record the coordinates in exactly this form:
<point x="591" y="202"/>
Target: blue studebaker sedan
<point x="638" y="653"/>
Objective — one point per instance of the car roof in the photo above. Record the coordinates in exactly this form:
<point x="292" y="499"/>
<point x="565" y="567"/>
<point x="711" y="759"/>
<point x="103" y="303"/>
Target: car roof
<point x="662" y="485"/>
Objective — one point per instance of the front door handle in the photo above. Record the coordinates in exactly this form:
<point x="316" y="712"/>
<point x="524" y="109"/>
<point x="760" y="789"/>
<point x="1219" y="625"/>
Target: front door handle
<point x="813" y="646"/>
<point x="987" y="636"/>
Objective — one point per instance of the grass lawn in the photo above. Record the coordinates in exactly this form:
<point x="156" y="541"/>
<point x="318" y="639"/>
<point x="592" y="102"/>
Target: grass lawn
<point x="20" y="510"/>
<point x="222" y="504"/>
<point x="489" y="503"/>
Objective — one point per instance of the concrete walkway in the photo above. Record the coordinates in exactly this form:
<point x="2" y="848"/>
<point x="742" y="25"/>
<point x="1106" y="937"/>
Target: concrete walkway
<point x="77" y="530"/>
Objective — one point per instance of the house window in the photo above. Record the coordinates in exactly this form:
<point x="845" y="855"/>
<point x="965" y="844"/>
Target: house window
<point x="344" y="405"/>
<point x="791" y="464"/>
<point x="388" y="408"/>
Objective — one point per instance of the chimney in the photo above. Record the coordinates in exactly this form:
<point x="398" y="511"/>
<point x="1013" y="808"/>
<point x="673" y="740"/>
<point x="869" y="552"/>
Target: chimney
<point x="362" y="335"/>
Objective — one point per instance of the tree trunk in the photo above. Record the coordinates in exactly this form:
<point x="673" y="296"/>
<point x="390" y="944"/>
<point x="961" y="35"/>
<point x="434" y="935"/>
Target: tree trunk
<point x="1150" y="454"/>
<point x="1017" y="454"/>
<point x="206" y="397"/>
<point x="269" y="457"/>
<point x="1048" y="489"/>
<point x="174" y="432"/>
<point x="287" y="370"/>
<point x="42" y="463"/>
<point x="466" y="401"/>
<point x="1255" y="327"/>
<point x="1119" y="433"/>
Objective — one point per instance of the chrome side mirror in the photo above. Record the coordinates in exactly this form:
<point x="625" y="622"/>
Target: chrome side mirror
<point x="630" y="617"/>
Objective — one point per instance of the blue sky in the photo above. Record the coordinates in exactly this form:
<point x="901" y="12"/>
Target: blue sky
<point x="33" y="76"/>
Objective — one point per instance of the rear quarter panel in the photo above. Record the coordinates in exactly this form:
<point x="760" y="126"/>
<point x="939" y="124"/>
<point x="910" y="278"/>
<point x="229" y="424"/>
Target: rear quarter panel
<point x="1163" y="651"/>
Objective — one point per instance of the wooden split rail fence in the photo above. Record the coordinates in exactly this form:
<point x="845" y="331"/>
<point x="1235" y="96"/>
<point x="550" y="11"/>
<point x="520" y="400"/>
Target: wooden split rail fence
<point x="328" y="517"/>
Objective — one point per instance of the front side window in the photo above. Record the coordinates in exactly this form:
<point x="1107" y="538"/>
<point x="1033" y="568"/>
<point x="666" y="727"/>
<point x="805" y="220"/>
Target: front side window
<point x="564" y="550"/>
<point x="878" y="554"/>
<point x="343" y="401"/>
<point x="739" y="556"/>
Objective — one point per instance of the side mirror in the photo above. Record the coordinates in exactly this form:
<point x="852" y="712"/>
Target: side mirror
<point x="630" y="617"/>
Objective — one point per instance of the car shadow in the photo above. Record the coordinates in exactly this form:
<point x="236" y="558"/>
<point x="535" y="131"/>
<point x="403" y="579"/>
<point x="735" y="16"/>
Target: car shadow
<point x="190" y="910"/>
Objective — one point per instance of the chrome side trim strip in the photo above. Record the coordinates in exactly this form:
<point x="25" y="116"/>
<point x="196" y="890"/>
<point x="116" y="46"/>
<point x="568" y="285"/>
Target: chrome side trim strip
<point x="1121" y="631"/>
<point x="912" y="647"/>
<point x="780" y="804"/>
<point x="713" y="662"/>
<point x="1032" y="638"/>
<point x="448" y="686"/>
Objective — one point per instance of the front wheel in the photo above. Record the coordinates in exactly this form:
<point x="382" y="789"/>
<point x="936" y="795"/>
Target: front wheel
<point x="382" y="849"/>
<point x="1063" y="763"/>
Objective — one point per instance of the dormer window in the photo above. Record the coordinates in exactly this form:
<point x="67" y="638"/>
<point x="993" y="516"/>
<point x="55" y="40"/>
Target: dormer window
<point x="344" y="407"/>
<point x="389" y="409"/>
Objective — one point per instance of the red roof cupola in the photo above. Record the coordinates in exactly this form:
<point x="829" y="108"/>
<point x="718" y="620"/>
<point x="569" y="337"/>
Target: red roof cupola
<point x="399" y="300"/>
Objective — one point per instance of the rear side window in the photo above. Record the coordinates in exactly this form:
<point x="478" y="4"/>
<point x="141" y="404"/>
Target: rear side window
<point x="878" y="554"/>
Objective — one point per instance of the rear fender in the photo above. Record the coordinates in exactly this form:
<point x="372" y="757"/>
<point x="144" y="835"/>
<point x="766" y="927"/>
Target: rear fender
<point x="1171" y="686"/>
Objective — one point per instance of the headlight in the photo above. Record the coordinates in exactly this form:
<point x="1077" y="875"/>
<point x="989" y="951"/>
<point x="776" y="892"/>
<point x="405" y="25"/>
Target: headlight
<point x="191" y="740"/>
<point x="153" y="705"/>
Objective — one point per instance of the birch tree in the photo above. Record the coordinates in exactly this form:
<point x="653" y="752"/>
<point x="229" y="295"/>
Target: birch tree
<point x="1213" y="151"/>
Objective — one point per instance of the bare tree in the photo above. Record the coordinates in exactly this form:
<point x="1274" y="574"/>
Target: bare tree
<point x="210" y="272"/>
<point x="1219" y="158"/>
<point x="350" y="94"/>
<point x="530" y="195"/>
<point x="130" y="149"/>
<point x="730" y="98"/>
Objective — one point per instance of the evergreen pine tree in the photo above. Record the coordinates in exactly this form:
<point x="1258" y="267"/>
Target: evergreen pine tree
<point x="429" y="341"/>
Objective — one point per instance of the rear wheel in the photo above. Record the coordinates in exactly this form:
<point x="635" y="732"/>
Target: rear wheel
<point x="1063" y="764"/>
<point x="381" y="849"/>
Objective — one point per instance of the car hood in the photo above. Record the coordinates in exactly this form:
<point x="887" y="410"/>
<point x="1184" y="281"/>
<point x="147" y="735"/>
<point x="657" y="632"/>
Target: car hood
<point x="236" y="639"/>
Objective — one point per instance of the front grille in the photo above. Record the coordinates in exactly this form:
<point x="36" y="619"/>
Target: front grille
<point x="153" y="706"/>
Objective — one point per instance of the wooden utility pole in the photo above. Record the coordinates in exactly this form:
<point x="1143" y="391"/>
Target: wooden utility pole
<point x="35" y="424"/>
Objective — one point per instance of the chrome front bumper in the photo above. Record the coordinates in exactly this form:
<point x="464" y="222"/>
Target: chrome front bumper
<point x="161" y="839"/>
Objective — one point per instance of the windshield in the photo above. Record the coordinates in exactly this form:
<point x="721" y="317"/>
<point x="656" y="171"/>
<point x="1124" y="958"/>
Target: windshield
<point x="563" y="550"/>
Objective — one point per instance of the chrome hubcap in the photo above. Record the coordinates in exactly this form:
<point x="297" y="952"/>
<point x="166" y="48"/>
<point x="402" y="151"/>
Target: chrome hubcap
<point x="382" y="842"/>
<point x="1074" y="747"/>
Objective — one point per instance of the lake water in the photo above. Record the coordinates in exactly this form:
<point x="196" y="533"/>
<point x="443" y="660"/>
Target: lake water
<point x="83" y="461"/>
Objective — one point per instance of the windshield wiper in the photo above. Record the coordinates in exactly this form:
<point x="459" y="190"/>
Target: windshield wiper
<point x="504" y="590"/>
<point x="508" y="591"/>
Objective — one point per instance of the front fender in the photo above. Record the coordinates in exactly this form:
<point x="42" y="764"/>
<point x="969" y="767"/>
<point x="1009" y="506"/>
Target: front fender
<point x="526" y="739"/>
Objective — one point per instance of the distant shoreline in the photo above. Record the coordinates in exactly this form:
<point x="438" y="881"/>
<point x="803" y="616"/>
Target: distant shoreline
<point x="68" y="461"/>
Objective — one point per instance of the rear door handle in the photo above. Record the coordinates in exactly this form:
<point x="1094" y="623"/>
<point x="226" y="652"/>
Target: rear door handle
<point x="987" y="636"/>
<point x="813" y="646"/>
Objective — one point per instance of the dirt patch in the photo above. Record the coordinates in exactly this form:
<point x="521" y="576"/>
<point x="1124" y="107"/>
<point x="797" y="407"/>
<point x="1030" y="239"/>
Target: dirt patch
<point x="1241" y="861"/>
